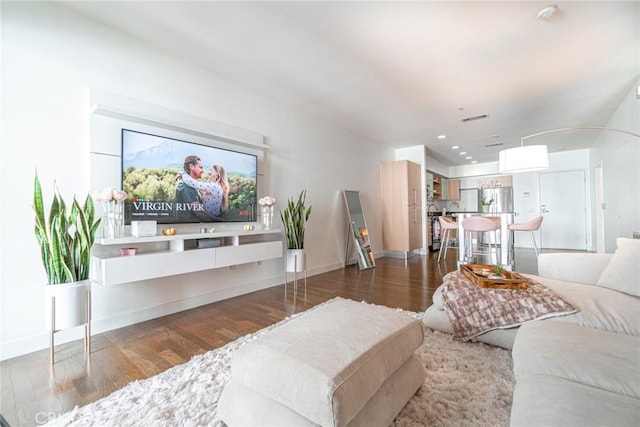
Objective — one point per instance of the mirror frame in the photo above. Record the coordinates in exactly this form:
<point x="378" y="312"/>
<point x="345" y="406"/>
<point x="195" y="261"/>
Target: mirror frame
<point x="358" y="234"/>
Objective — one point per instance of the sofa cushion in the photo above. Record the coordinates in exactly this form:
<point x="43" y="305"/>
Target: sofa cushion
<point x="598" y="307"/>
<point x="623" y="271"/>
<point x="596" y="358"/>
<point x="544" y="401"/>
<point x="578" y="267"/>
<point x="327" y="363"/>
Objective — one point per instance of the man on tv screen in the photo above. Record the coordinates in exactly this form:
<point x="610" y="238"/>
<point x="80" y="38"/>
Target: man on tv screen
<point x="188" y="202"/>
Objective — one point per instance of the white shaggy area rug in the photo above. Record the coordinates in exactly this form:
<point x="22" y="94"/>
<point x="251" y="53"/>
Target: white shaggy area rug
<point x="467" y="384"/>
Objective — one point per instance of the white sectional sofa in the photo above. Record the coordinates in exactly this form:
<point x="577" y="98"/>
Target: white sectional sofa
<point x="581" y="369"/>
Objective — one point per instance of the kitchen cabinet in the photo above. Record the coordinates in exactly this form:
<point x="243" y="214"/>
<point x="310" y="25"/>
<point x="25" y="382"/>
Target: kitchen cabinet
<point x="441" y="188"/>
<point x="453" y="189"/>
<point x="438" y="189"/>
<point x="401" y="205"/>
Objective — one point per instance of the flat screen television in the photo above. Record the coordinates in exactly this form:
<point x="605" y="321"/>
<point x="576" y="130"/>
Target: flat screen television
<point x="173" y="181"/>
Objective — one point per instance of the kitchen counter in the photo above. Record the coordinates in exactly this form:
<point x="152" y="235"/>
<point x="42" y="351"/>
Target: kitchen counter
<point x="479" y="213"/>
<point x="506" y="218"/>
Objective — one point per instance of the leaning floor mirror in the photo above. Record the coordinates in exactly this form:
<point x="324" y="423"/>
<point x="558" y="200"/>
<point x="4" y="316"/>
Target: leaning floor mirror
<point x="358" y="233"/>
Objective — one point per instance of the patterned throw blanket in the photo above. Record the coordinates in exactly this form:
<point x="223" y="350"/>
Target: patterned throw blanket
<point x="473" y="310"/>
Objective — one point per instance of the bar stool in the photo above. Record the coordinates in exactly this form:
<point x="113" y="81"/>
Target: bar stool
<point x="530" y="226"/>
<point x="446" y="225"/>
<point x="480" y="224"/>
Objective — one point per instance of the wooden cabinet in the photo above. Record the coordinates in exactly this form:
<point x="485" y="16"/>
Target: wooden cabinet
<point x="453" y="188"/>
<point x="438" y="187"/>
<point x="401" y="206"/>
<point x="441" y="188"/>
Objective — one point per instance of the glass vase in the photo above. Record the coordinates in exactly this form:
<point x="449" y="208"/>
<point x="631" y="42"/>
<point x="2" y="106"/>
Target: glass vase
<point x="113" y="219"/>
<point x="267" y="217"/>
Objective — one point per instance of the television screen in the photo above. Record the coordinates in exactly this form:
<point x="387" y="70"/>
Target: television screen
<point x="173" y="181"/>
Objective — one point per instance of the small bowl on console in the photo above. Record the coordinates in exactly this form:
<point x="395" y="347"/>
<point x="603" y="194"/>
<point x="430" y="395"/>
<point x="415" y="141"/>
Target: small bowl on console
<point x="169" y="231"/>
<point x="128" y="251"/>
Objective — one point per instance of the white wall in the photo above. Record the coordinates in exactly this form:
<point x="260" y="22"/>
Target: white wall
<point x="619" y="155"/>
<point x="51" y="57"/>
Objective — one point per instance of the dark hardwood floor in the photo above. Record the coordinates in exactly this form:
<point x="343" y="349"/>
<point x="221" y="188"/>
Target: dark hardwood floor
<point x="33" y="391"/>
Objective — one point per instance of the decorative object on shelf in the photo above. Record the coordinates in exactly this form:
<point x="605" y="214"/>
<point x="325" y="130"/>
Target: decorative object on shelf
<point x="65" y="249"/>
<point x="128" y="251"/>
<point x="112" y="201"/>
<point x="169" y="231"/>
<point x="266" y="205"/>
<point x="209" y="243"/>
<point x="249" y="227"/>
<point x="486" y="204"/>
<point x="144" y="228"/>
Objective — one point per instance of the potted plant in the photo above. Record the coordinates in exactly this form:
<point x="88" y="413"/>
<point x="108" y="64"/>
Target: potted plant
<point x="497" y="272"/>
<point x="65" y="237"/>
<point x="294" y="219"/>
<point x="486" y="204"/>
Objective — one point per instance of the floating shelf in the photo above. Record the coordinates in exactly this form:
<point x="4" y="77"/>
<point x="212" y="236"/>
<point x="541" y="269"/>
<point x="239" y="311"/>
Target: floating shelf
<point x="160" y="256"/>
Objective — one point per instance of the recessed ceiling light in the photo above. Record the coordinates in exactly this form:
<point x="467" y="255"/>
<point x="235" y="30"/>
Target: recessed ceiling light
<point x="455" y="147"/>
<point x="442" y="136"/>
<point x="468" y="157"/>
<point x="462" y="153"/>
<point x="474" y="161"/>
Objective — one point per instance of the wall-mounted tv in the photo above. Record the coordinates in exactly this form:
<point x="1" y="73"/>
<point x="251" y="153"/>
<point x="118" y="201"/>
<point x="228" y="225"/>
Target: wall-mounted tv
<point x="173" y="181"/>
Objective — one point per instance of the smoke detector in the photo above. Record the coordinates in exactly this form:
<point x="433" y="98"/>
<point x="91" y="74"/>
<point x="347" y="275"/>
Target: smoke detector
<point x="547" y="11"/>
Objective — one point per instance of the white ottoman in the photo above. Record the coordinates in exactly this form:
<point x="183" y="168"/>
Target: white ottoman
<point x="341" y="363"/>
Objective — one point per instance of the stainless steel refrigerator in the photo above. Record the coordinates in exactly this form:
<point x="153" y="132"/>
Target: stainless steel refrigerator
<point x="502" y="199"/>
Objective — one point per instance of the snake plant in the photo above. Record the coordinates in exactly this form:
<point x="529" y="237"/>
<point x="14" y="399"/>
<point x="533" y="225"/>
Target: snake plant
<point x="294" y="218"/>
<point x="65" y="237"/>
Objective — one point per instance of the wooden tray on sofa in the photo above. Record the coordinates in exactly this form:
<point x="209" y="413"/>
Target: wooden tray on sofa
<point x="512" y="281"/>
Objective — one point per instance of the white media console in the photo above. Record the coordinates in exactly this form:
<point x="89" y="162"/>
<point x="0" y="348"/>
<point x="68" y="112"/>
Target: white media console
<point x="160" y="256"/>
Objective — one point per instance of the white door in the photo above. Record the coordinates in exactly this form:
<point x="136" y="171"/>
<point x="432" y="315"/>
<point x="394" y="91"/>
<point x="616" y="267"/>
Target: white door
<point x="564" y="206"/>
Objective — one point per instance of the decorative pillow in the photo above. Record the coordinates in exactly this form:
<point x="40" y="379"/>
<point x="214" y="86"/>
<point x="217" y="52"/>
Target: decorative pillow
<point x="623" y="271"/>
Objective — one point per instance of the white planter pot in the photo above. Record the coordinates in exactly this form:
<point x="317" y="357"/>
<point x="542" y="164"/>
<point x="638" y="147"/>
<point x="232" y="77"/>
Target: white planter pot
<point x="71" y="305"/>
<point x="296" y="260"/>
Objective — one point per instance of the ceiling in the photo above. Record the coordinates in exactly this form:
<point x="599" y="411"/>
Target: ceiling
<point x="402" y="73"/>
